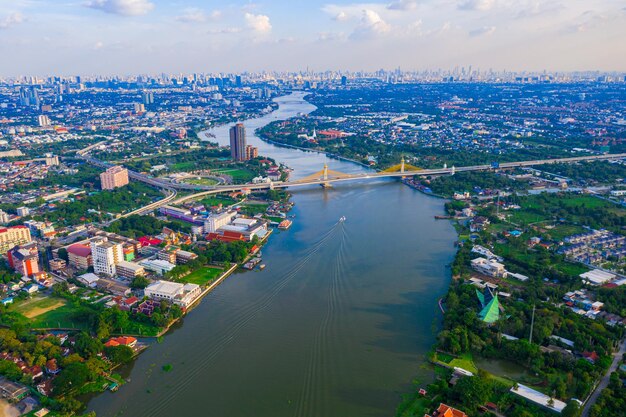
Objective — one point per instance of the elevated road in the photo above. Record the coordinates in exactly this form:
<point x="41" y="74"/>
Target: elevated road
<point x="321" y="179"/>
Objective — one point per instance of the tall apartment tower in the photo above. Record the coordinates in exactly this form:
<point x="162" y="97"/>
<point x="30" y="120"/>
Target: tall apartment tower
<point x="114" y="177"/>
<point x="105" y="256"/>
<point x="238" y="142"/>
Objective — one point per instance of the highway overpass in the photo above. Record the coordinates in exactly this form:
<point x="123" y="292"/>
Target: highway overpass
<point x="325" y="177"/>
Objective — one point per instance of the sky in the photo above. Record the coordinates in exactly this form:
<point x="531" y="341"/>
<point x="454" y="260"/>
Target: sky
<point x="108" y="37"/>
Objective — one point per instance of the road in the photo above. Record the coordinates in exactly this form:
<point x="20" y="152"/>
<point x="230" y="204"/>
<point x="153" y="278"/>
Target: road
<point x="338" y="177"/>
<point x="604" y="382"/>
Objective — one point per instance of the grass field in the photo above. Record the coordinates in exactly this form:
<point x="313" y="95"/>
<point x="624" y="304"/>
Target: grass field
<point x="464" y="361"/>
<point x="252" y="209"/>
<point x="37" y="306"/>
<point x="60" y="317"/>
<point x="183" y="166"/>
<point x="216" y="200"/>
<point x="201" y="181"/>
<point x="237" y="174"/>
<point x="202" y="276"/>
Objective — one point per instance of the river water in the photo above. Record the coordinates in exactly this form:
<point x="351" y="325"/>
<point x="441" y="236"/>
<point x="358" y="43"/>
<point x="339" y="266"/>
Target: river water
<point x="337" y="324"/>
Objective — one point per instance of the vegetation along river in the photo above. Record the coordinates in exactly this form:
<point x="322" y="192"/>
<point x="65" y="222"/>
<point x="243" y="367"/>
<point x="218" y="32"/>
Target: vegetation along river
<point x="337" y="324"/>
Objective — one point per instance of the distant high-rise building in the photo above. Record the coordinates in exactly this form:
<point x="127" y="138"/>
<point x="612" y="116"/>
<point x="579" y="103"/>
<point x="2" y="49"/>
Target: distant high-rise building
<point x="139" y="108"/>
<point x="147" y="97"/>
<point x="114" y="177"/>
<point x="43" y="120"/>
<point x="238" y="81"/>
<point x="29" y="97"/>
<point x="344" y="80"/>
<point x="238" y="142"/>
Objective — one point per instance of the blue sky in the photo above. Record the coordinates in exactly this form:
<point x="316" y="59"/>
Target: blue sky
<point x="41" y="37"/>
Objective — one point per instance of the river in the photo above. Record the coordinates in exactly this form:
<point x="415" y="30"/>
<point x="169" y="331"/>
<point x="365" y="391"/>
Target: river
<point x="337" y="324"/>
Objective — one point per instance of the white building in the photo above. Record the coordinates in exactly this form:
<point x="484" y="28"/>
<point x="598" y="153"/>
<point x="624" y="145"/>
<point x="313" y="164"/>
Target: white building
<point x="182" y="294"/>
<point x="538" y="398"/>
<point x="215" y="221"/>
<point x="23" y="211"/>
<point x="89" y="279"/>
<point x="597" y="277"/>
<point x="43" y="120"/>
<point x="4" y="217"/>
<point x="489" y="267"/>
<point x="157" y="266"/>
<point x="105" y="256"/>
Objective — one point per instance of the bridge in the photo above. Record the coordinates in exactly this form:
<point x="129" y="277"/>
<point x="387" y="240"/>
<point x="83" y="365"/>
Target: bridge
<point x="325" y="177"/>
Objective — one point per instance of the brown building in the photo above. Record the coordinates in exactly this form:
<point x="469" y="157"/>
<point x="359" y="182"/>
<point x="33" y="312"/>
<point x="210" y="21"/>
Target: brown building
<point x="251" y="152"/>
<point x="114" y="177"/>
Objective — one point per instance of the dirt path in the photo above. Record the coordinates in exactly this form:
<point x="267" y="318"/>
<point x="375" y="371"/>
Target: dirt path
<point x="38" y="311"/>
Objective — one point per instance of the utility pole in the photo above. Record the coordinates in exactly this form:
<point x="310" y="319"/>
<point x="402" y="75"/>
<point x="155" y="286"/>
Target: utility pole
<point x="532" y="324"/>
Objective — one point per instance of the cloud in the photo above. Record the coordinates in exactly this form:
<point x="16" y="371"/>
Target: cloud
<point x="11" y="20"/>
<point x="403" y="5"/>
<point x="485" y="30"/>
<point x="480" y="5"/>
<point x="371" y="25"/>
<point x="194" y="15"/>
<point x="122" y="7"/>
<point x="341" y="16"/>
<point x="259" y="23"/>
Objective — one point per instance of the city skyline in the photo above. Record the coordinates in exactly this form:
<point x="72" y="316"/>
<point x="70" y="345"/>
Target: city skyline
<point x="108" y="37"/>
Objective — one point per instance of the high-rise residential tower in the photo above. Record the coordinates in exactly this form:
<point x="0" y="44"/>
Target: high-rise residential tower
<point x="238" y="142"/>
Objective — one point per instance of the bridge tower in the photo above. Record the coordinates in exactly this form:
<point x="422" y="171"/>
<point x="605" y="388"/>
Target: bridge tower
<point x="271" y="185"/>
<point x="453" y="170"/>
<point x="402" y="164"/>
<point x="325" y="177"/>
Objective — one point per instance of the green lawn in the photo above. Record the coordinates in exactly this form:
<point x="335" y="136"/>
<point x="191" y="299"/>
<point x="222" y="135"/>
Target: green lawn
<point x="183" y="166"/>
<point x="252" y="209"/>
<point x="138" y="328"/>
<point x="464" y="361"/>
<point x="237" y="174"/>
<point x="201" y="181"/>
<point x="202" y="276"/>
<point x="216" y="200"/>
<point x="521" y="217"/>
<point x="32" y="305"/>
<point x="61" y="317"/>
<point x="562" y="231"/>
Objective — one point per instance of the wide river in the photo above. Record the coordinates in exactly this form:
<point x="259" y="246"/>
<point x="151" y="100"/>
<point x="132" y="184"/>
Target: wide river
<point x="337" y="325"/>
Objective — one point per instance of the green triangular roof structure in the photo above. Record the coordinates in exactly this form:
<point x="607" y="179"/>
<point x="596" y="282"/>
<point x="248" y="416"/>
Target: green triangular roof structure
<point x="481" y="298"/>
<point x="491" y="312"/>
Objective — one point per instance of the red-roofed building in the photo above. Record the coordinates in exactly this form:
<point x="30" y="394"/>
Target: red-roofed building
<point x="80" y="256"/>
<point x="121" y="341"/>
<point x="45" y="388"/>
<point x="51" y="367"/>
<point x="591" y="356"/>
<point x="228" y="236"/>
<point x="332" y="133"/>
<point x="148" y="241"/>
<point x="446" y="411"/>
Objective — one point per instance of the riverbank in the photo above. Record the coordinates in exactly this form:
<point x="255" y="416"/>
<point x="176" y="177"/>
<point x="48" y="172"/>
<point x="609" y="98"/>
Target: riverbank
<point x="333" y="317"/>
